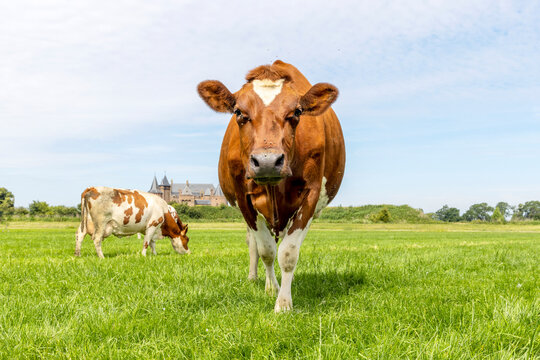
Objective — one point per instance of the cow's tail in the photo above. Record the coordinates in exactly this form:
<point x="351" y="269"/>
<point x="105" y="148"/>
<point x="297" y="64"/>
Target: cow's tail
<point x="84" y="212"/>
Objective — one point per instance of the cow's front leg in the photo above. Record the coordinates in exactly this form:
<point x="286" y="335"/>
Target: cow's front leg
<point x="148" y="239"/>
<point x="288" y="253"/>
<point x="153" y="246"/>
<point x="266" y="248"/>
<point x="289" y="249"/>
<point x="253" y="256"/>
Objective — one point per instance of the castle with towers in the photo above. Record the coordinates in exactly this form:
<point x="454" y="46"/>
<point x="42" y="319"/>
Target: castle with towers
<point x="189" y="194"/>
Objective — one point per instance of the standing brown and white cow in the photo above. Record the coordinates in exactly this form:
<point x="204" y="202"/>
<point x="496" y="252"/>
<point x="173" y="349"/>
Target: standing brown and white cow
<point x="106" y="211"/>
<point x="282" y="161"/>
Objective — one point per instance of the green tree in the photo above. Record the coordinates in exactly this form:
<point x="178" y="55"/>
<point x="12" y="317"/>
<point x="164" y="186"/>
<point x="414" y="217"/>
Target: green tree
<point x="447" y="214"/>
<point x="504" y="208"/>
<point x="7" y="201"/>
<point x="528" y="211"/>
<point x="497" y="216"/>
<point x="478" y="212"/>
<point x="40" y="208"/>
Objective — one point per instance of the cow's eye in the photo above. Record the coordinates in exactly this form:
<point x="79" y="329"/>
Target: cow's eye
<point x="295" y="118"/>
<point x="241" y="119"/>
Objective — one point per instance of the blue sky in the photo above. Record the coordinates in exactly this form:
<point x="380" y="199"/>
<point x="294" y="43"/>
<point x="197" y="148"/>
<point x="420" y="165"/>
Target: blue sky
<point x="439" y="101"/>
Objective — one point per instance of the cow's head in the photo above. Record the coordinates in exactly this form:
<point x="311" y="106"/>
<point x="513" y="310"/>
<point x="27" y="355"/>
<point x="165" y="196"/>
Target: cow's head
<point x="268" y="109"/>
<point x="173" y="228"/>
<point x="180" y="243"/>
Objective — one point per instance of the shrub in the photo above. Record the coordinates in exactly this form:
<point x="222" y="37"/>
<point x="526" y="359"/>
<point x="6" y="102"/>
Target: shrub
<point x="497" y="216"/>
<point x="39" y="208"/>
<point x="21" y="211"/>
<point x="382" y="216"/>
<point x="205" y="212"/>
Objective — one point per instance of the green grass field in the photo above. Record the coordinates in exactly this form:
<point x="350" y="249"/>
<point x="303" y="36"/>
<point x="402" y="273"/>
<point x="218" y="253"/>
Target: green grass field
<point x="360" y="292"/>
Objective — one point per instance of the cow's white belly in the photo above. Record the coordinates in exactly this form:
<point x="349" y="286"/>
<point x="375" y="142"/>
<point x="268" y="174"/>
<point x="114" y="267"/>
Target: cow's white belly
<point x="118" y="226"/>
<point x="126" y="230"/>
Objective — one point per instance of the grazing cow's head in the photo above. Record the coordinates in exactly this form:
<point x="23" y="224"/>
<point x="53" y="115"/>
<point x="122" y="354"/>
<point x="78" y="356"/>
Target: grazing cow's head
<point x="268" y="109"/>
<point x="180" y="243"/>
<point x="173" y="228"/>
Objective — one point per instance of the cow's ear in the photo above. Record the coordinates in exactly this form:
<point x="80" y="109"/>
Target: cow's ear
<point x="184" y="230"/>
<point x="217" y="96"/>
<point x="318" y="99"/>
<point x="179" y="222"/>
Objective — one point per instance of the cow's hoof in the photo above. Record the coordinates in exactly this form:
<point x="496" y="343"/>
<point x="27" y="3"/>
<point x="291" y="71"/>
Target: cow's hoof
<point x="252" y="277"/>
<point x="77" y="253"/>
<point x="271" y="288"/>
<point x="282" y="305"/>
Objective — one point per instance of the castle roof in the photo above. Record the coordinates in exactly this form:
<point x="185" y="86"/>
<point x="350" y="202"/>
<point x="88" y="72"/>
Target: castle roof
<point x="218" y="192"/>
<point x="186" y="190"/>
<point x="154" y="188"/>
<point x="207" y="192"/>
<point x="191" y="189"/>
<point x="165" y="181"/>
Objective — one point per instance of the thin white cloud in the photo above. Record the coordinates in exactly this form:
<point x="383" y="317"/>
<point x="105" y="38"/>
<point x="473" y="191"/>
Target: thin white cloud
<point x="70" y="66"/>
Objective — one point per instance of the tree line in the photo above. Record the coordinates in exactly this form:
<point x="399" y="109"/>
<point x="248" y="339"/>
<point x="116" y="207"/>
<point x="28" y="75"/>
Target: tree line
<point x="482" y="212"/>
<point x="500" y="213"/>
<point x="35" y="209"/>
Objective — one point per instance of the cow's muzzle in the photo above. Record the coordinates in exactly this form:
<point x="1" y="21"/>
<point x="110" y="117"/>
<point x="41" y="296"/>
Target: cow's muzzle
<point x="267" y="167"/>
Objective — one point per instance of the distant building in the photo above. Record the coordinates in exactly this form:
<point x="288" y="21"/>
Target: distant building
<point x="189" y="194"/>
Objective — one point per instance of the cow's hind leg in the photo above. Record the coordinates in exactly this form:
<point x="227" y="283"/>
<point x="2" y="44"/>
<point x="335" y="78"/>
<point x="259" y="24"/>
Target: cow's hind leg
<point x="98" y="238"/>
<point x="78" y="240"/>
<point x="253" y="256"/>
<point x="266" y="248"/>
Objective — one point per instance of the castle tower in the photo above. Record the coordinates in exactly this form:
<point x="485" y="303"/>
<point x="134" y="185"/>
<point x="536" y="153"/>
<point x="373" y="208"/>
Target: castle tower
<point x="165" y="188"/>
<point x="154" y="188"/>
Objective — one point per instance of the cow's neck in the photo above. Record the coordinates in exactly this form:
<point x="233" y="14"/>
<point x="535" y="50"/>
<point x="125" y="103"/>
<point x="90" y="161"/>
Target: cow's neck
<point x="265" y="201"/>
<point x="272" y="199"/>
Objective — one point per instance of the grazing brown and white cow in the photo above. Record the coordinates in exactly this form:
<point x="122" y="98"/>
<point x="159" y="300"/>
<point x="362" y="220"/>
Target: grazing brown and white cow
<point x="282" y="161"/>
<point x="106" y="211"/>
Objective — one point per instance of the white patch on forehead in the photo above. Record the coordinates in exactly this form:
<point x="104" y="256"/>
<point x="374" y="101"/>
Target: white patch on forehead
<point x="267" y="89"/>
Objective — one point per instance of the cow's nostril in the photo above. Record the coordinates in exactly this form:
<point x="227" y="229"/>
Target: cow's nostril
<point x="280" y="160"/>
<point x="254" y="161"/>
